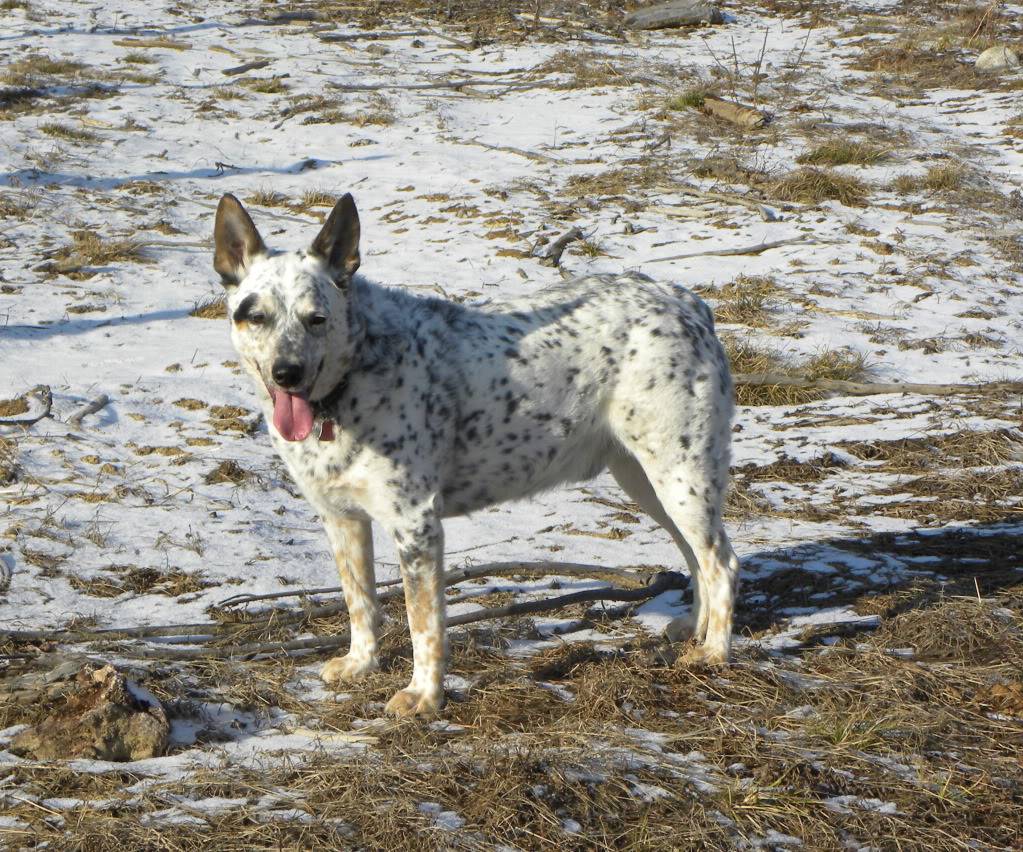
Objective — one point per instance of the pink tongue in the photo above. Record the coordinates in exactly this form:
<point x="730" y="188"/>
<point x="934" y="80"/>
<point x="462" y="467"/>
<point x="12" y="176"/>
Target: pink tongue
<point x="293" y="416"/>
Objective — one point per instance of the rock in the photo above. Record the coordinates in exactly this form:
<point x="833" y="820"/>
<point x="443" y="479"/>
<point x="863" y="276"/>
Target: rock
<point x="997" y="59"/>
<point x="676" y="13"/>
<point x="99" y="715"/>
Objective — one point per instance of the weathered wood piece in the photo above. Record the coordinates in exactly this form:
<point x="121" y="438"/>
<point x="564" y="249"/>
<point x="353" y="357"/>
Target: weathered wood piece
<point x="675" y="13"/>
<point x="743" y="116"/>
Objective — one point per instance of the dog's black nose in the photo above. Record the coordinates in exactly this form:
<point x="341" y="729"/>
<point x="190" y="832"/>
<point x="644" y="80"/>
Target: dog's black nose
<point x="286" y="373"/>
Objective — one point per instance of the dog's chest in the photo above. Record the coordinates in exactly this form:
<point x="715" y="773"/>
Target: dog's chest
<point x="333" y="475"/>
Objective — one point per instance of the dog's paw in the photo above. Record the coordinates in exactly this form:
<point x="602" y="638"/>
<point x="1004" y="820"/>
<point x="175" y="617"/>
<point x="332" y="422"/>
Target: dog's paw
<point x="348" y="668"/>
<point x="703" y="655"/>
<point x="413" y="702"/>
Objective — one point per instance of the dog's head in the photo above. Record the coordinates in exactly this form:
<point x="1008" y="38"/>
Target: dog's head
<point x="291" y="312"/>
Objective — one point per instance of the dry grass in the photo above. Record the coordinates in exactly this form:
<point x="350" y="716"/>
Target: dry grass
<point x="268" y="198"/>
<point x="265" y="85"/>
<point x="922" y="68"/>
<point x="941" y="178"/>
<point x="583" y="70"/>
<point x="748" y="300"/>
<point x="750" y="358"/>
<point x="812" y="185"/>
<point x="88" y="249"/>
<point x="214" y="307"/>
<point x="841" y="152"/>
<point x="9" y="467"/>
<point x="137" y="57"/>
<point x="38" y="68"/>
<point x="966" y="495"/>
<point x="966" y="448"/>
<point x="227" y="471"/>
<point x="692" y="98"/>
<point x="68" y="132"/>
<point x="131" y="579"/>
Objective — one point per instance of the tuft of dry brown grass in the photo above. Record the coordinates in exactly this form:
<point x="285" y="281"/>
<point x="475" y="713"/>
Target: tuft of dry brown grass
<point x="68" y="132"/>
<point x="583" y="70"/>
<point x="265" y="85"/>
<point x="841" y="152"/>
<point x="965" y="448"/>
<point x="132" y="579"/>
<point x="748" y="300"/>
<point x="214" y="307"/>
<point x="812" y="185"/>
<point x="36" y="68"/>
<point x="747" y="357"/>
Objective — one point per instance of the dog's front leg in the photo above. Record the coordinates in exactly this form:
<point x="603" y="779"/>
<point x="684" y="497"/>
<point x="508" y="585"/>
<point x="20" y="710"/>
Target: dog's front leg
<point x="421" y="554"/>
<point x="352" y="542"/>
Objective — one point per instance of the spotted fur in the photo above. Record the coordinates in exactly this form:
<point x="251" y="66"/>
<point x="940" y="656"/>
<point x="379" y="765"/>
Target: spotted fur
<point x="442" y="409"/>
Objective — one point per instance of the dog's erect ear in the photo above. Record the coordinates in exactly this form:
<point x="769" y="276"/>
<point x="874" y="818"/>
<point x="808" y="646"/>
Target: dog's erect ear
<point x="236" y="241"/>
<point x="338" y="240"/>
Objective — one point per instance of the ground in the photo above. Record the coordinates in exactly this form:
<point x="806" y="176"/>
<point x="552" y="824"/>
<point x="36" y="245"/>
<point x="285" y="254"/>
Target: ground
<point x="875" y="699"/>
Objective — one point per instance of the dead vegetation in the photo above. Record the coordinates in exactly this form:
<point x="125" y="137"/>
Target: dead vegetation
<point x="88" y="250"/>
<point x="812" y="185"/>
<point x="748" y="357"/>
<point x="749" y="300"/>
<point x="842" y="152"/>
<point x="214" y="307"/>
<point x="136" y="580"/>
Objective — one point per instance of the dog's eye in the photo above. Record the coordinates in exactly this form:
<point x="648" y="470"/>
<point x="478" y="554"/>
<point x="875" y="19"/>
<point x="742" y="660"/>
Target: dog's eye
<point x="257" y="318"/>
<point x="317" y="319"/>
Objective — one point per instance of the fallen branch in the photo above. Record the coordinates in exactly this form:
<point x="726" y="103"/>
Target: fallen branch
<point x="874" y="388"/>
<point x="435" y="84"/>
<point x="99" y="403"/>
<point x="255" y="65"/>
<point x="45" y="397"/>
<point x="373" y="36"/>
<point x="460" y="575"/>
<point x="552" y="256"/>
<point x="752" y="203"/>
<point x="674" y="13"/>
<point x="508" y="149"/>
<point x="666" y="581"/>
<point x="743" y="116"/>
<point x="757" y="249"/>
<point x="631" y="579"/>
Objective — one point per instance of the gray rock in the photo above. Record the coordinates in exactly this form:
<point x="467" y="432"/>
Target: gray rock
<point x="998" y="58"/>
<point x="98" y="715"/>
<point x="676" y="13"/>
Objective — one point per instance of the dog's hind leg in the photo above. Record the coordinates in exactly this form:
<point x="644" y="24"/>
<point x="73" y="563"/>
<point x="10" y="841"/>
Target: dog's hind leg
<point x="687" y="469"/>
<point x="692" y="496"/>
<point x="629" y="474"/>
<point x="352" y="542"/>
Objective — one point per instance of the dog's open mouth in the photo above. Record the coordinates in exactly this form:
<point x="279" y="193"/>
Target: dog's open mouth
<point x="293" y="415"/>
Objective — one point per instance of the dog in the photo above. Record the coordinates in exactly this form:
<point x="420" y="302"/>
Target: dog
<point x="406" y="410"/>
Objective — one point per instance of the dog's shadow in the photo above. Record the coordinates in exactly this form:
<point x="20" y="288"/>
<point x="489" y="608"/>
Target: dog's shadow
<point x="907" y="569"/>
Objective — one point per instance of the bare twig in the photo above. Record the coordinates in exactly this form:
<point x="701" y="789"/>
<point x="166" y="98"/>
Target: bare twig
<point x="470" y="82"/>
<point x="45" y="396"/>
<point x="460" y="575"/>
<point x="99" y="403"/>
<point x="255" y="65"/>
<point x="552" y="255"/>
<point x="757" y="249"/>
<point x="872" y="388"/>
<point x="522" y="152"/>
<point x="623" y="576"/>
<point x="374" y="35"/>
<point x="664" y="582"/>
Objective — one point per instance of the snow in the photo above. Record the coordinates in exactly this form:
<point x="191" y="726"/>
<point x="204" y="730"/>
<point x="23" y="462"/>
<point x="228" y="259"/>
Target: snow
<point x="147" y="353"/>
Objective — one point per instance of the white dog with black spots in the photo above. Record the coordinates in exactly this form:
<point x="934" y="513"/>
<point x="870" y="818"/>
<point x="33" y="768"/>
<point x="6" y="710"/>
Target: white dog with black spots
<point x="404" y="410"/>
